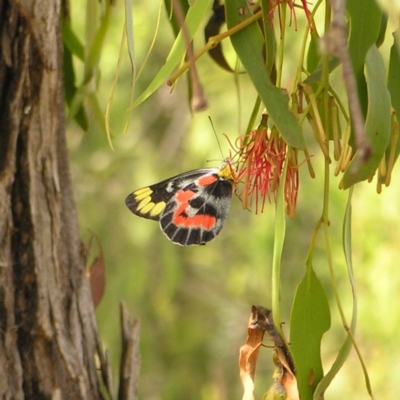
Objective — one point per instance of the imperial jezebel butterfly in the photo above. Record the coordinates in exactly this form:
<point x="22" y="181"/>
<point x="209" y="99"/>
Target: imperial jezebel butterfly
<point x="191" y="207"/>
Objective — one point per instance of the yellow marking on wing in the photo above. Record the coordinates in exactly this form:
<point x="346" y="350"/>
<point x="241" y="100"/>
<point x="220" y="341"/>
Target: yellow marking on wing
<point x="147" y="208"/>
<point x="151" y="208"/>
<point x="142" y="193"/>
<point x="144" y="203"/>
<point x="158" y="208"/>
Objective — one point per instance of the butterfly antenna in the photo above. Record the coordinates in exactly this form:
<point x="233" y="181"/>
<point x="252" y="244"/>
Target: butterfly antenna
<point x="216" y="136"/>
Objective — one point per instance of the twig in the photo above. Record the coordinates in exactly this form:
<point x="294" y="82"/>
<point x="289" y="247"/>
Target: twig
<point x="130" y="357"/>
<point x="198" y="100"/>
<point x="335" y="42"/>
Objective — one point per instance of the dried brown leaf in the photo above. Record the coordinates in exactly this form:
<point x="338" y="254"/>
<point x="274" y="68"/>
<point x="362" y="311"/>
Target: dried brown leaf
<point x="285" y="382"/>
<point x="284" y="377"/>
<point x="212" y="29"/>
<point x="248" y="355"/>
<point x="97" y="279"/>
<point x="96" y="273"/>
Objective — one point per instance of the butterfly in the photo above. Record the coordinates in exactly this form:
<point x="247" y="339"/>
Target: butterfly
<point x="191" y="207"/>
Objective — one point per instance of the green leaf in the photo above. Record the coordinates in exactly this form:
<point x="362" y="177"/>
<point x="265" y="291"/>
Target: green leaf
<point x="377" y="124"/>
<point x="269" y="38"/>
<point x="76" y="102"/>
<point x="313" y="54"/>
<point x="382" y="31"/>
<point x="130" y="35"/>
<point x="365" y="24"/>
<point x="347" y="344"/>
<point x="72" y="42"/>
<point x="309" y="321"/>
<point x="97" y="45"/>
<point x="70" y="90"/>
<point x="316" y="75"/>
<point x="249" y="46"/>
<point x="193" y="21"/>
<point x="72" y="46"/>
<point x="97" y="111"/>
<point x="279" y="240"/>
<point x="394" y="88"/>
<point x="394" y="75"/>
<point x="91" y="20"/>
<point x="169" y="7"/>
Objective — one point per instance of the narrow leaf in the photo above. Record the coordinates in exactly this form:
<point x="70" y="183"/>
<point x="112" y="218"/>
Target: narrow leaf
<point x="70" y="89"/>
<point x="377" y="124"/>
<point x="169" y="8"/>
<point x="313" y="54"/>
<point x="249" y="46"/>
<point x="382" y="31"/>
<point x="98" y="113"/>
<point x="309" y="321"/>
<point x="365" y="23"/>
<point x="129" y="34"/>
<point x="97" y="45"/>
<point x="270" y="40"/>
<point x="347" y="343"/>
<point x="90" y="32"/>
<point x="394" y="89"/>
<point x="394" y="75"/>
<point x="72" y="42"/>
<point x="194" y="19"/>
<point x="212" y="28"/>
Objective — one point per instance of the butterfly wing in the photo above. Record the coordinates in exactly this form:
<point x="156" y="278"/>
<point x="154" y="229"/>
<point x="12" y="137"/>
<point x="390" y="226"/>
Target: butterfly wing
<point x="196" y="212"/>
<point x="149" y="202"/>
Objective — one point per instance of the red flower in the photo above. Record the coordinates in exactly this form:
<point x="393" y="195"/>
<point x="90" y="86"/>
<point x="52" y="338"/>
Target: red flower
<point x="262" y="154"/>
<point x="273" y="4"/>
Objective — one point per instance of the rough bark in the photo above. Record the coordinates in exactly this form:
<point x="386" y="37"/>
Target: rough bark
<point x="130" y="357"/>
<point x="48" y="333"/>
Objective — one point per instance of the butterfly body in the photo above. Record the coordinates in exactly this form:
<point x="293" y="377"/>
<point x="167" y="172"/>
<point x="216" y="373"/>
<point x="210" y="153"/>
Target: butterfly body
<point x="191" y="207"/>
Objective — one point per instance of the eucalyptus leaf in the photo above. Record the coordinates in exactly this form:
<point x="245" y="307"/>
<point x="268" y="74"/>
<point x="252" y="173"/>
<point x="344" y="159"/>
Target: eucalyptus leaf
<point x="365" y="24"/>
<point x="194" y="19"/>
<point x="394" y="87"/>
<point x="310" y="319"/>
<point x="249" y="46"/>
<point x="270" y="39"/>
<point x="169" y="8"/>
<point x="214" y="24"/>
<point x="72" y="42"/>
<point x="70" y="90"/>
<point x="347" y="343"/>
<point x="377" y="124"/>
<point x="313" y="54"/>
<point x="394" y="76"/>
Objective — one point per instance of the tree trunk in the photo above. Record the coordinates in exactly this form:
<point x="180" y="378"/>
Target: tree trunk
<point x="48" y="333"/>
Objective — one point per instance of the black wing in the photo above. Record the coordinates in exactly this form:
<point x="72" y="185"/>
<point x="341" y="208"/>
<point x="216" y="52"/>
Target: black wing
<point x="149" y="202"/>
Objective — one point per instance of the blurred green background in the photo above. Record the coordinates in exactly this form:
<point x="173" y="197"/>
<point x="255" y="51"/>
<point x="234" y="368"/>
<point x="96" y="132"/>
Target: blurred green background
<point x="194" y="303"/>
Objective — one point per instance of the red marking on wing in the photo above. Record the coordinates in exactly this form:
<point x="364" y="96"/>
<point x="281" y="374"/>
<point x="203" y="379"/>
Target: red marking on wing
<point x="180" y="217"/>
<point x="183" y="196"/>
<point x="206" y="222"/>
<point x="207" y="180"/>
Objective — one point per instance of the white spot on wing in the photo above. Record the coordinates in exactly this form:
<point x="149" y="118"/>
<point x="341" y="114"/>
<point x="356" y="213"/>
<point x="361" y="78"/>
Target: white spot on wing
<point x="170" y="187"/>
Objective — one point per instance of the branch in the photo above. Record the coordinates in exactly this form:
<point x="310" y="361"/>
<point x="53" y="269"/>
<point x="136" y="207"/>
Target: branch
<point x="335" y="42"/>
